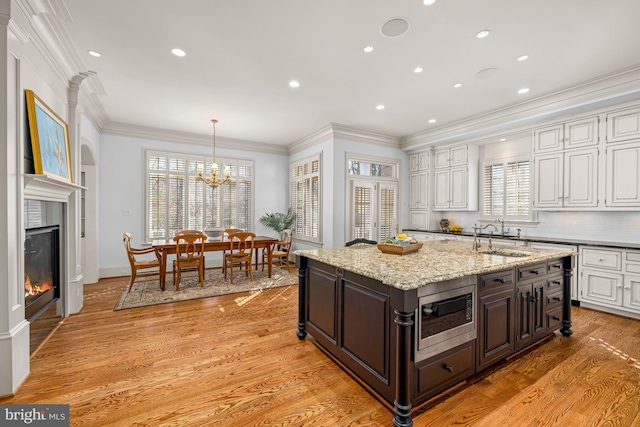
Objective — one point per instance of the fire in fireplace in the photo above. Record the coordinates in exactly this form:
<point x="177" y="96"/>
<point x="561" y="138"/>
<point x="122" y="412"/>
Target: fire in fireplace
<point x="42" y="267"/>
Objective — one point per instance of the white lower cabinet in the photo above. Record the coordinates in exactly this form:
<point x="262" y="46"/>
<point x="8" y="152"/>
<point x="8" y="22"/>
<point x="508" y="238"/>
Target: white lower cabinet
<point x="610" y="280"/>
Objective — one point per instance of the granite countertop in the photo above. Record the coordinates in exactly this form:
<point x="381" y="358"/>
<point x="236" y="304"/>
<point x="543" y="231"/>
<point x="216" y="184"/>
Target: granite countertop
<point x="434" y="262"/>
<point x="539" y="239"/>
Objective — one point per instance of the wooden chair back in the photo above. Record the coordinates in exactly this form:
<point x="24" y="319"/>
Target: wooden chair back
<point x="189" y="255"/>
<point x="140" y="264"/>
<point x="282" y="248"/>
<point x="240" y="253"/>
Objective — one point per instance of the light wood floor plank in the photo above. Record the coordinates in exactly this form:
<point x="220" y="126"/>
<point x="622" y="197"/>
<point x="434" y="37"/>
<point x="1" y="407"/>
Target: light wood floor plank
<point x="235" y="360"/>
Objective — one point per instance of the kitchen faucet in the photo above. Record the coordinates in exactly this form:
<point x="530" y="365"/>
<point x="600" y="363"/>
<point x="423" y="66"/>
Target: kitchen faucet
<point x="476" y="244"/>
<point x="501" y="222"/>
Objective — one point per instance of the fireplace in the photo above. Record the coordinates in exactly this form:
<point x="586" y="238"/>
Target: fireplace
<point x="41" y="270"/>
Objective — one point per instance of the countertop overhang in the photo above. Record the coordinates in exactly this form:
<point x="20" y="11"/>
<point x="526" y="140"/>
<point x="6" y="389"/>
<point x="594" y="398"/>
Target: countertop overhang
<point x="434" y="262"/>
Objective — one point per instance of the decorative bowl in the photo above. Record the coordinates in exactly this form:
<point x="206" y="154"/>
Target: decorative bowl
<point x="214" y="233"/>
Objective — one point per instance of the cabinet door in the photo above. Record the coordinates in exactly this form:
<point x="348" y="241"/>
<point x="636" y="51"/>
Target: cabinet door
<point x="631" y="298"/>
<point x="441" y="158"/>
<point x="581" y="133"/>
<point x="623" y="175"/>
<point x="458" y="190"/>
<point x="414" y="190"/>
<point x="441" y="187"/>
<point x="423" y="161"/>
<point x="581" y="178"/>
<point x="623" y="125"/>
<point x="419" y="220"/>
<point x="458" y="156"/>
<point x="496" y="327"/>
<point x="601" y="287"/>
<point x="414" y="162"/>
<point x="549" y="138"/>
<point x="548" y="172"/>
<point x="423" y="190"/>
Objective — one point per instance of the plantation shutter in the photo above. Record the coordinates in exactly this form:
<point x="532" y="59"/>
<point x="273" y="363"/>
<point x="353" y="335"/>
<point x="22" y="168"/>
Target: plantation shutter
<point x="305" y="198"/>
<point x="507" y="190"/>
<point x="518" y="194"/>
<point x="175" y="200"/>
<point x="363" y="210"/>
<point x="387" y="212"/>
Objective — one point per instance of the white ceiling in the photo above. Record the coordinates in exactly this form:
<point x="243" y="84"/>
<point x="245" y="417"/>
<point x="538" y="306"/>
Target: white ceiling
<point x="241" y="55"/>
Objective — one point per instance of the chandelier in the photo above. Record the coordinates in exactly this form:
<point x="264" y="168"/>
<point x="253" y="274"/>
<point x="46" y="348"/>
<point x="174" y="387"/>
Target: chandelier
<point x="213" y="181"/>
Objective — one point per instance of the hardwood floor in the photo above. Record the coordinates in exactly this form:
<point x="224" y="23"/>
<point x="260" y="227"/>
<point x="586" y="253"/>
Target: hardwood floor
<point x="235" y="360"/>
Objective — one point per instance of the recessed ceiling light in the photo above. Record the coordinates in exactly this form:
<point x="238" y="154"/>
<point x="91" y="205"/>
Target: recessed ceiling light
<point x="503" y="139"/>
<point x="428" y="2"/>
<point x="95" y="53"/>
<point x="457" y="85"/>
<point x="380" y="107"/>
<point x="482" y="34"/>
<point x="294" y="83"/>
<point x="523" y="90"/>
<point x="522" y="57"/>
<point x="432" y="120"/>
<point x="418" y="70"/>
<point x="178" y="52"/>
<point x="368" y="49"/>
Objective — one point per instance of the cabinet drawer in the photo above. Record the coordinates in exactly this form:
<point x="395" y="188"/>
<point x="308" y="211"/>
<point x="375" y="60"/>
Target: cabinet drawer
<point x="554" y="284"/>
<point x="554" y="319"/>
<point x="554" y="266"/>
<point x="601" y="258"/>
<point x="633" y="268"/>
<point x="445" y="370"/>
<point x="633" y="256"/>
<point x="531" y="271"/>
<point x="554" y="301"/>
<point x="495" y="281"/>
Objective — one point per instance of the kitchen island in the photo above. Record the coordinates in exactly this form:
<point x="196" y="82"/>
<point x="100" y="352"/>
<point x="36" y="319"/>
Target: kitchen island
<point x="409" y="327"/>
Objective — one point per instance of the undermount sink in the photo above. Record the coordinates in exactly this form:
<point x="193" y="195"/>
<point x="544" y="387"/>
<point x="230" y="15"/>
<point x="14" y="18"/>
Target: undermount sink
<point x="504" y="252"/>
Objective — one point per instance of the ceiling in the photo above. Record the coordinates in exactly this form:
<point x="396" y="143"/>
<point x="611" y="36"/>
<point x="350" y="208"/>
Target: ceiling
<point x="242" y="54"/>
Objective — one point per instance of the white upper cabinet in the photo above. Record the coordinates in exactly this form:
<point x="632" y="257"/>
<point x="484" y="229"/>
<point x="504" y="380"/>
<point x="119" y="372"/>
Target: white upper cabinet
<point x="623" y="175"/>
<point x="574" y="134"/>
<point x="623" y="125"/>
<point x="456" y="178"/>
<point x="419" y="161"/>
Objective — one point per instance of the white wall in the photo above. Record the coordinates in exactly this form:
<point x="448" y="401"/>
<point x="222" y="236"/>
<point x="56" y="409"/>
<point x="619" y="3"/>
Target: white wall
<point x="121" y="187"/>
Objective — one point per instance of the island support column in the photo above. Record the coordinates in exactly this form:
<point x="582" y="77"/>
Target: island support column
<point x="301" y="265"/>
<point x="404" y="304"/>
<point x="568" y="266"/>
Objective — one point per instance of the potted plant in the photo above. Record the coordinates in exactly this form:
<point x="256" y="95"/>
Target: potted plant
<point x="279" y="221"/>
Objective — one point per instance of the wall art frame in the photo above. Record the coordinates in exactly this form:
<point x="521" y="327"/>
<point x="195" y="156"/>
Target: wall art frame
<point x="49" y="140"/>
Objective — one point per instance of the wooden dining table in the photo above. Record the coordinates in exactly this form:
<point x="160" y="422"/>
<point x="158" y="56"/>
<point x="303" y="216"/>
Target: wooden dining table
<point x="168" y="247"/>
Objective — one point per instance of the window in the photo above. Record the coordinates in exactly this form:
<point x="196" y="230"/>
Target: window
<point x="176" y="201"/>
<point x="305" y="197"/>
<point x="507" y="190"/>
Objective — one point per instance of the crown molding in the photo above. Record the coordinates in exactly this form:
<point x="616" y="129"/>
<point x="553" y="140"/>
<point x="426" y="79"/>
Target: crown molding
<point x="154" y="134"/>
<point x="604" y="91"/>
<point x="339" y="131"/>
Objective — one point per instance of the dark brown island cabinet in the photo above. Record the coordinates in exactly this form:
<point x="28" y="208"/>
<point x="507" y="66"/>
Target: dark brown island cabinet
<point x="411" y="327"/>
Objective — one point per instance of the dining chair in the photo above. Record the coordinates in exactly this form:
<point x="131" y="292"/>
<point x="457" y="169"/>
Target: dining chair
<point x="228" y="232"/>
<point x="280" y="250"/>
<point x="150" y="267"/>
<point x="189" y="255"/>
<point x="361" y="242"/>
<point x="240" y="253"/>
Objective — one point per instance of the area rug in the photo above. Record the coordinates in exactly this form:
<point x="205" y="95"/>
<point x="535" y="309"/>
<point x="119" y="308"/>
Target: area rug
<point x="147" y="292"/>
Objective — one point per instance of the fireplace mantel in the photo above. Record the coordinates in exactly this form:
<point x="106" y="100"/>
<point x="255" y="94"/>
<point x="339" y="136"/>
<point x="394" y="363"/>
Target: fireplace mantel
<point x="44" y="187"/>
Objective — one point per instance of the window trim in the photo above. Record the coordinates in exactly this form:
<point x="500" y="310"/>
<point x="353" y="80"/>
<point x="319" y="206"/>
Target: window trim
<point x="314" y="241"/>
<point x="523" y="220"/>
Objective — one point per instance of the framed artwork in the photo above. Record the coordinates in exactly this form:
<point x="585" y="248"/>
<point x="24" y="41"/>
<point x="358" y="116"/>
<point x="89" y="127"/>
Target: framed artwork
<point x="49" y="140"/>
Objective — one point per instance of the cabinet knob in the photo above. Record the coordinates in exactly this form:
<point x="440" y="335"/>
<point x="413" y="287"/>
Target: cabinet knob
<point x="618" y="285"/>
<point x="558" y="266"/>
<point x="534" y="272"/>
<point x="500" y="280"/>
<point x="556" y="299"/>
<point x="556" y="318"/>
<point x="600" y="259"/>
<point x="555" y="282"/>
<point x="628" y="287"/>
<point x="533" y="299"/>
<point x="447" y="367"/>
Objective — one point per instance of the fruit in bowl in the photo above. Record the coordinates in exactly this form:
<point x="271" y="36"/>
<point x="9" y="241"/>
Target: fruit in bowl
<point x="455" y="229"/>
